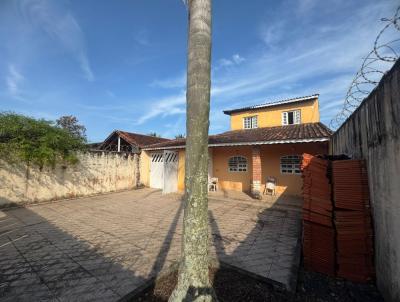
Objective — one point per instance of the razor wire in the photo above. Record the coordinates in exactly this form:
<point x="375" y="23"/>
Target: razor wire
<point x="373" y="67"/>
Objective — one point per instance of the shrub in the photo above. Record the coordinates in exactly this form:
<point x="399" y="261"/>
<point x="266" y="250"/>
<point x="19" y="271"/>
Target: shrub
<point x="37" y="141"/>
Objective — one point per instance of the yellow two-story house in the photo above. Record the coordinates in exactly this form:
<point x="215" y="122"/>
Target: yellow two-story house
<point x="265" y="142"/>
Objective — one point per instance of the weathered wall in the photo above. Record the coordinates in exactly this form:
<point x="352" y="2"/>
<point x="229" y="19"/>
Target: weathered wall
<point x="95" y="173"/>
<point x="145" y="158"/>
<point x="373" y="133"/>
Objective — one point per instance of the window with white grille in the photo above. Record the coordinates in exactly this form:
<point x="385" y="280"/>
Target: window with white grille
<point x="290" y="164"/>
<point x="237" y="164"/>
<point x="250" y="122"/>
<point x="291" y="117"/>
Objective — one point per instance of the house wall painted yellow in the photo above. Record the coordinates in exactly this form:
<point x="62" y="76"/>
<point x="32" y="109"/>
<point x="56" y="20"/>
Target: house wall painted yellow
<point x="145" y="168"/>
<point x="237" y="181"/>
<point x="290" y="184"/>
<point x="181" y="171"/>
<point x="272" y="116"/>
<point x="270" y="154"/>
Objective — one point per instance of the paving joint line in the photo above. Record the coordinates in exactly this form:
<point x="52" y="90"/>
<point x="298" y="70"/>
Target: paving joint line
<point x="76" y="262"/>
<point x="97" y="229"/>
<point x="34" y="270"/>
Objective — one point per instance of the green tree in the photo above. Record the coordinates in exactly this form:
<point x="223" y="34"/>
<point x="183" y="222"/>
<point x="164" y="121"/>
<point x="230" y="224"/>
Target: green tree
<point x="179" y="136"/>
<point x="154" y="134"/>
<point x="193" y="280"/>
<point x="36" y="142"/>
<point x="71" y="123"/>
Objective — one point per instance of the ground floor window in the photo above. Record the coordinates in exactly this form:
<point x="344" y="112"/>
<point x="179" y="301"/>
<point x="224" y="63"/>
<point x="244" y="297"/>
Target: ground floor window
<point x="237" y="164"/>
<point x="290" y="164"/>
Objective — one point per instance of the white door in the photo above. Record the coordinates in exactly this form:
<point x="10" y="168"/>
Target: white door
<point x="171" y="159"/>
<point x="156" y="171"/>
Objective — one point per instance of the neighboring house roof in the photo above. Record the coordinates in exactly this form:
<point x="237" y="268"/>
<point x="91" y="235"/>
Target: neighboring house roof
<point x="272" y="104"/>
<point x="302" y="133"/>
<point x="139" y="140"/>
<point x="94" y="146"/>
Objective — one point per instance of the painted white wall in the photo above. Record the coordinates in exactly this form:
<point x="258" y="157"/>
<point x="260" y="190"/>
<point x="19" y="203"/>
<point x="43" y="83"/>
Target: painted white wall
<point x="95" y="173"/>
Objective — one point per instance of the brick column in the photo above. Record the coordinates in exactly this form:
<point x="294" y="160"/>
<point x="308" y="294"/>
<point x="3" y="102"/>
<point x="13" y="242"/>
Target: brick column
<point x="256" y="175"/>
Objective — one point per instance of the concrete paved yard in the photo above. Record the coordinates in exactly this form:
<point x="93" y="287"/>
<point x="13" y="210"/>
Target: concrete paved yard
<point x="102" y="248"/>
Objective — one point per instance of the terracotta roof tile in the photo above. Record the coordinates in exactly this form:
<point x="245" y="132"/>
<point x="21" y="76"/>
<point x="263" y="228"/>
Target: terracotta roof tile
<point x="140" y="140"/>
<point x="309" y="131"/>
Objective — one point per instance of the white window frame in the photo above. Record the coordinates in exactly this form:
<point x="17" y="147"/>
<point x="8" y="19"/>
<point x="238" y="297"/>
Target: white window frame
<point x="240" y="166"/>
<point x="296" y="117"/>
<point x="290" y="164"/>
<point x="250" y="122"/>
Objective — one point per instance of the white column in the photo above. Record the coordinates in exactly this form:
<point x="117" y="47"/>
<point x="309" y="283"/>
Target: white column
<point x="119" y="144"/>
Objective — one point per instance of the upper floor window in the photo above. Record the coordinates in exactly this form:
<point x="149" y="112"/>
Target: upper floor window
<point x="291" y="117"/>
<point x="237" y="164"/>
<point x="290" y="164"/>
<point x="250" y="122"/>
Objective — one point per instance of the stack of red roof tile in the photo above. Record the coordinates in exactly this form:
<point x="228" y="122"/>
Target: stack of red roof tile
<point x="318" y="231"/>
<point x="352" y="217"/>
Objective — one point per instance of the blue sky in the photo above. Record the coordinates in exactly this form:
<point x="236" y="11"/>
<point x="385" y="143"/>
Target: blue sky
<point x="121" y="64"/>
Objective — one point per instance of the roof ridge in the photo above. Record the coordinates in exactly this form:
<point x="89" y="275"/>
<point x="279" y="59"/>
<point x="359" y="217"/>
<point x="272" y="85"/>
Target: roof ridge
<point x="140" y="134"/>
<point x="273" y="103"/>
<point x="290" y="99"/>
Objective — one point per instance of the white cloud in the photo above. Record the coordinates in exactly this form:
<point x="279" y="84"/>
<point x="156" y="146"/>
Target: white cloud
<point x="174" y="82"/>
<point x="225" y="62"/>
<point x="174" y="128"/>
<point x="14" y="79"/>
<point x="311" y="56"/>
<point x="60" y="24"/>
<point x="171" y="105"/>
<point x="273" y="33"/>
<point x="320" y="60"/>
<point x="236" y="59"/>
<point x="302" y="61"/>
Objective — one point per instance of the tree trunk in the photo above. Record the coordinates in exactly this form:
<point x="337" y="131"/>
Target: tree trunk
<point x="193" y="280"/>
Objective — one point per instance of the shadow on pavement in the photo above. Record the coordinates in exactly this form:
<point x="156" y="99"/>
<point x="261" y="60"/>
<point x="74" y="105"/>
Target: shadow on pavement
<point x="76" y="254"/>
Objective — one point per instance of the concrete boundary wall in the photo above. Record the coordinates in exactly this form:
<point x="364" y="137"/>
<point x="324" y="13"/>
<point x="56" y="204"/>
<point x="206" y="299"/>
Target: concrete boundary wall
<point x="96" y="172"/>
<point x="372" y="132"/>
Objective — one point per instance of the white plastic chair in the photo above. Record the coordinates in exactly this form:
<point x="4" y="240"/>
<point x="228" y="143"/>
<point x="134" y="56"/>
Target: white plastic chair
<point x="213" y="184"/>
<point x="270" y="185"/>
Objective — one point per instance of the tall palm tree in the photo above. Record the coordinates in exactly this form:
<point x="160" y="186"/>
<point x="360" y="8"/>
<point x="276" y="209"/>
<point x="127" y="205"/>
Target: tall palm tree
<point x="193" y="281"/>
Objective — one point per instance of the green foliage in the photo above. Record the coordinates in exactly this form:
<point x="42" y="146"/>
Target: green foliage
<point x="37" y="142"/>
<point x="154" y="134"/>
<point x="71" y="123"/>
<point x="179" y="136"/>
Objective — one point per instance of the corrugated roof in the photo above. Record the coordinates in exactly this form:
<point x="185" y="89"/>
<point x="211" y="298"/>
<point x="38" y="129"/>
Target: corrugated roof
<point x="271" y="104"/>
<point x="309" y="132"/>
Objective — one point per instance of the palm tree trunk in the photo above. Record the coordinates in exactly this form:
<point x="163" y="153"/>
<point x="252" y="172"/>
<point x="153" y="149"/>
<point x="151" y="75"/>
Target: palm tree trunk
<point x="193" y="280"/>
